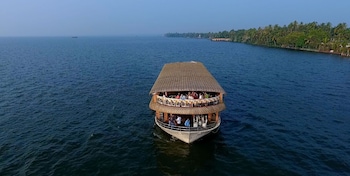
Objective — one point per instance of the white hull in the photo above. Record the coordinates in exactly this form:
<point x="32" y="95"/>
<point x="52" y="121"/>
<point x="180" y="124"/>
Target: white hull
<point x="188" y="135"/>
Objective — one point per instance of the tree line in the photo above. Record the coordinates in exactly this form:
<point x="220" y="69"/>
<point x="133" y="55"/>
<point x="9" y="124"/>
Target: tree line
<point x="310" y="36"/>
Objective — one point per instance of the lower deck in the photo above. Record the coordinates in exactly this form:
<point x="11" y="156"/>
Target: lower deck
<point x="196" y="122"/>
<point x="188" y="134"/>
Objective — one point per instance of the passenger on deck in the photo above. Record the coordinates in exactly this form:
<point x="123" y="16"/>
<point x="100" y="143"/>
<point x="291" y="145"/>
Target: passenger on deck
<point x="206" y="95"/>
<point x="178" y="120"/>
<point x="194" y="95"/>
<point x="171" y="121"/>
<point x="204" y="122"/>
<point x="187" y="123"/>
<point x="189" y="96"/>
<point x="163" y="101"/>
<point x="178" y="96"/>
<point x="182" y="97"/>
<point x="195" y="121"/>
<point x="200" y="96"/>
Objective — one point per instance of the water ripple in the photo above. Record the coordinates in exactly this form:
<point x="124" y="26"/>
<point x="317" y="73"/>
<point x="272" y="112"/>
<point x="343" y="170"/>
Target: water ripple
<point x="80" y="107"/>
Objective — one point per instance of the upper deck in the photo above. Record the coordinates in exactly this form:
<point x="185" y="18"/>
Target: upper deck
<point x="201" y="93"/>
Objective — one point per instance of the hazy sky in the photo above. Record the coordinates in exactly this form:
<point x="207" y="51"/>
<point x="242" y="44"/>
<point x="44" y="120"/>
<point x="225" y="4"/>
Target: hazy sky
<point x="156" y="17"/>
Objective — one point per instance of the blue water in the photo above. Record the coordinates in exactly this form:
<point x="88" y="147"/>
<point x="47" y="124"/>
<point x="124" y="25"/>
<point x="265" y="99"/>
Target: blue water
<point x="80" y="107"/>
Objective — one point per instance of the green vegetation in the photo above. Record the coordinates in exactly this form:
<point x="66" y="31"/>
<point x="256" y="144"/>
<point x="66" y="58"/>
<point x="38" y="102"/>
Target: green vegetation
<point x="311" y="37"/>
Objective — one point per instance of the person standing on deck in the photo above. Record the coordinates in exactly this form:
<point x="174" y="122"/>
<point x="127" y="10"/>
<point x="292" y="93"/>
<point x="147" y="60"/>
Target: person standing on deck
<point x="178" y="120"/>
<point x="187" y="122"/>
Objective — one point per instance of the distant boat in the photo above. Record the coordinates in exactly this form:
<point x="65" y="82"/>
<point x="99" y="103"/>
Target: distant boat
<point x="75" y="37"/>
<point x="187" y="101"/>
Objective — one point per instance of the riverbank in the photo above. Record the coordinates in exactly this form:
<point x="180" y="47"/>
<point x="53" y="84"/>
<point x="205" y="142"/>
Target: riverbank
<point x="318" y="51"/>
<point x="289" y="48"/>
<point x="321" y="38"/>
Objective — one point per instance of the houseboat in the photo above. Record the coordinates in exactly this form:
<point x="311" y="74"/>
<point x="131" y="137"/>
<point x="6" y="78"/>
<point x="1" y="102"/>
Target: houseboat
<point x="187" y="101"/>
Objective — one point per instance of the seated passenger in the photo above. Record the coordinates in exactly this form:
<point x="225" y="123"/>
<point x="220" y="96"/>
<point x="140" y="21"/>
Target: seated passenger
<point x="187" y="123"/>
<point x="200" y="96"/>
<point x="178" y="96"/>
<point x="194" y="95"/>
<point x="206" y="95"/>
<point x="182" y="97"/>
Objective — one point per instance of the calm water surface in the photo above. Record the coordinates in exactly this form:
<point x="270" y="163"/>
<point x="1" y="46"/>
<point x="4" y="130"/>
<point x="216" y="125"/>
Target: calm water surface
<point x="80" y="107"/>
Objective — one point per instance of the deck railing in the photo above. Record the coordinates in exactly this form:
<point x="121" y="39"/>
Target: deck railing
<point x="210" y="125"/>
<point x="188" y="102"/>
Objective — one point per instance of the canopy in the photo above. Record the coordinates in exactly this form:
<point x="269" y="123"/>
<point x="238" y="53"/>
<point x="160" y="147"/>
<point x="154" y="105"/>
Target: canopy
<point x="185" y="76"/>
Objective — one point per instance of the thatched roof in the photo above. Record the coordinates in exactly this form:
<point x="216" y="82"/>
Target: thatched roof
<point x="185" y="76"/>
<point x="193" y="110"/>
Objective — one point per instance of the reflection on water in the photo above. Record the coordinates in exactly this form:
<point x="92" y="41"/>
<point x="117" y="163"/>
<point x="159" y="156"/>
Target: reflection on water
<point x="177" y="157"/>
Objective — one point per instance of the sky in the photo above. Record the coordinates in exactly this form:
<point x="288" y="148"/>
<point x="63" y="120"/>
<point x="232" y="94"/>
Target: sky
<point x="157" y="17"/>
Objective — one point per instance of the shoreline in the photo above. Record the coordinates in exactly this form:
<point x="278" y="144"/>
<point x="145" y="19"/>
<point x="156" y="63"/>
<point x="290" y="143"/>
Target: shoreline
<point x="316" y="51"/>
<point x="347" y="55"/>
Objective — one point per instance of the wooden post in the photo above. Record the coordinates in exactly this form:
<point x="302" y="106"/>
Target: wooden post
<point x="217" y="117"/>
<point x="166" y="117"/>
<point x="221" y="98"/>
<point x="157" y="114"/>
<point x="155" y="97"/>
<point x="209" y="117"/>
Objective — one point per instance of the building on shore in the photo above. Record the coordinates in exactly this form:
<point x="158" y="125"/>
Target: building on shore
<point x="221" y="39"/>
